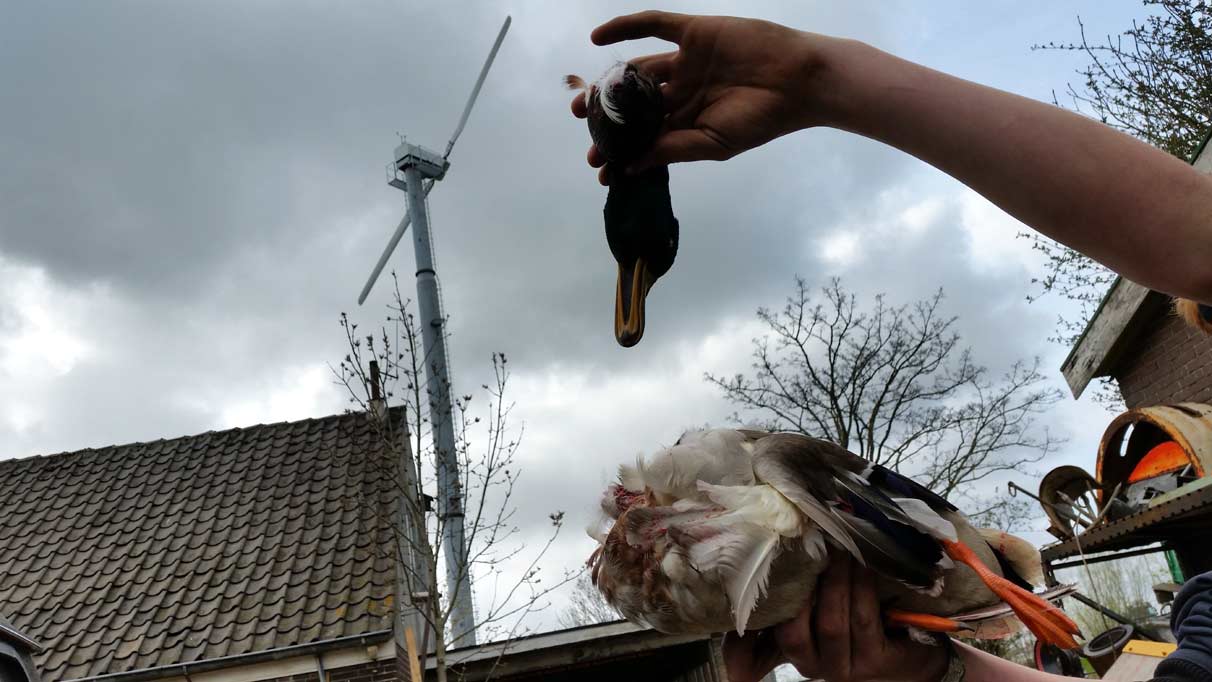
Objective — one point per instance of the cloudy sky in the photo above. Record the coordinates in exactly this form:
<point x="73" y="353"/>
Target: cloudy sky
<point x="192" y="193"/>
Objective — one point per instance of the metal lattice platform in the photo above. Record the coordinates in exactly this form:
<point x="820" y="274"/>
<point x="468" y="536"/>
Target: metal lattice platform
<point x="1181" y="519"/>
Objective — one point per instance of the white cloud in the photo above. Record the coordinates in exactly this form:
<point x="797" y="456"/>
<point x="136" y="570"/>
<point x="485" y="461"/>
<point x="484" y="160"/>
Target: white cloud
<point x="993" y="237"/>
<point x="840" y="248"/>
<point x="40" y="323"/>
<point x="297" y="393"/>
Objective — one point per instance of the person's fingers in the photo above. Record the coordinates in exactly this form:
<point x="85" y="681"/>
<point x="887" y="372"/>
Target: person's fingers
<point x="659" y="66"/>
<point x="866" y="626"/>
<point x="649" y="24"/>
<point x="595" y="157"/>
<point x="831" y="623"/>
<point x="795" y="641"/>
<point x="751" y="656"/>
<point x="678" y="146"/>
<point x="604" y="176"/>
<point x="579" y="108"/>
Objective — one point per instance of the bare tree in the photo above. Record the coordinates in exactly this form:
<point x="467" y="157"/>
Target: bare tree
<point x="1153" y="81"/>
<point x="586" y="605"/>
<point x="893" y="385"/>
<point x="386" y="375"/>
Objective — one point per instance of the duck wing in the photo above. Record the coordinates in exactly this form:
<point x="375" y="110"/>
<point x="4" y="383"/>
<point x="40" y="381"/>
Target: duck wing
<point x="898" y="537"/>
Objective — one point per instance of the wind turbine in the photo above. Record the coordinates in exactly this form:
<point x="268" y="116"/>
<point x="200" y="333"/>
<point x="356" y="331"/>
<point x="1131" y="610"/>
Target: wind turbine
<point x="415" y="170"/>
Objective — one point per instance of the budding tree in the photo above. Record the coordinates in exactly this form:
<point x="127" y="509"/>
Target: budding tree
<point x="386" y="375"/>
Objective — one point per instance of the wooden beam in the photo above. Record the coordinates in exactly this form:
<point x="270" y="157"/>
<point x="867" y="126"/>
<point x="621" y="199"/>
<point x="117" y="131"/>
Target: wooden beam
<point x="414" y="661"/>
<point x="1088" y="358"/>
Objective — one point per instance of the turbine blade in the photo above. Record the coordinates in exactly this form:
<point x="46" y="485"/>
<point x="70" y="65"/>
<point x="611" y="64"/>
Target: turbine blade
<point x="391" y="246"/>
<point x="475" y="91"/>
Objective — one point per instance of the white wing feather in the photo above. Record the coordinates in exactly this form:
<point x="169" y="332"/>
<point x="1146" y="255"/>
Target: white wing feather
<point x="742" y="556"/>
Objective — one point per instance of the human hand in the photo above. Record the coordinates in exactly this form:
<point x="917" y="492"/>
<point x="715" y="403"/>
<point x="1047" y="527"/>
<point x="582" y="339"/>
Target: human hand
<point x="839" y="637"/>
<point x="733" y="84"/>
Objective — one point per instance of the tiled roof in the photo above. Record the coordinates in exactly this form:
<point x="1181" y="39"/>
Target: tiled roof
<point x="150" y="554"/>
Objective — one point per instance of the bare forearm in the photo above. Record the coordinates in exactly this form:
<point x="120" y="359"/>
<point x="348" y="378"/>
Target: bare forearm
<point x="1137" y="210"/>
<point x="982" y="667"/>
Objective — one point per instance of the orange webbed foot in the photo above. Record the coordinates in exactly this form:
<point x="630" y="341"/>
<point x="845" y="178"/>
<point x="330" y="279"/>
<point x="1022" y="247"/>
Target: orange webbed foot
<point x="1043" y="618"/>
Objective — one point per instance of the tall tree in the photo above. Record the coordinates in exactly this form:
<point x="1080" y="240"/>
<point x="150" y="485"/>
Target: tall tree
<point x="1154" y="81"/>
<point x="385" y="375"/>
<point x="894" y="385"/>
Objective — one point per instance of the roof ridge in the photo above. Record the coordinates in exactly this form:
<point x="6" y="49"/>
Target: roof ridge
<point x="13" y="461"/>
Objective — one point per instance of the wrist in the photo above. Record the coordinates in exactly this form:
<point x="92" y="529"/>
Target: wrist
<point x="862" y="89"/>
<point x="832" y="71"/>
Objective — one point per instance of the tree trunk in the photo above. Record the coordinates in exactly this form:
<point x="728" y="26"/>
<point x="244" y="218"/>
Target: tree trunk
<point x="439" y="654"/>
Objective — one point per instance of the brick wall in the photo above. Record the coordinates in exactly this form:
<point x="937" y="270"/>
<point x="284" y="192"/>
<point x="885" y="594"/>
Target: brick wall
<point x="1172" y="363"/>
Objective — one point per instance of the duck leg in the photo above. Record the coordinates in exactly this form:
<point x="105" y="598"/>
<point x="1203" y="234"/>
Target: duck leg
<point x="924" y="621"/>
<point x="1044" y="619"/>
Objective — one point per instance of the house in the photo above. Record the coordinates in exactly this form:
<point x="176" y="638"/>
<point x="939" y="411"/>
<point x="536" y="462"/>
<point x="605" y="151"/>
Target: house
<point x="249" y="555"/>
<point x="16" y="655"/>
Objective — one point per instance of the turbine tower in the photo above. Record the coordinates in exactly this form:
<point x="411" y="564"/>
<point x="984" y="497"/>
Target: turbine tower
<point x="415" y="170"/>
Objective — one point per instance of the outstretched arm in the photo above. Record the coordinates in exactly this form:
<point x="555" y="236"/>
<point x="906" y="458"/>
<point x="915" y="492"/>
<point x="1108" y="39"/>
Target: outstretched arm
<point x="735" y="84"/>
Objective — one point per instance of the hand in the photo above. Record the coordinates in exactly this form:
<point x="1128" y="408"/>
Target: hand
<point x="839" y="638"/>
<point x="733" y="84"/>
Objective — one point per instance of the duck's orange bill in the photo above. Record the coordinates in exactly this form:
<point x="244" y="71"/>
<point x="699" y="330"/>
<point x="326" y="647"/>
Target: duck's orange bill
<point x="924" y="621"/>
<point x="1043" y="618"/>
<point x="633" y="285"/>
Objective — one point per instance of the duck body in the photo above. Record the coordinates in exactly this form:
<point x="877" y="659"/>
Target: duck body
<point x="625" y="111"/>
<point x="729" y="530"/>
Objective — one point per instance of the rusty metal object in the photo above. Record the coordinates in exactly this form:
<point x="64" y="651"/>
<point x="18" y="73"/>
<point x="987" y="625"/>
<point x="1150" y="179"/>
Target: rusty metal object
<point x="1068" y="496"/>
<point x="1187" y="424"/>
<point x="1184" y="516"/>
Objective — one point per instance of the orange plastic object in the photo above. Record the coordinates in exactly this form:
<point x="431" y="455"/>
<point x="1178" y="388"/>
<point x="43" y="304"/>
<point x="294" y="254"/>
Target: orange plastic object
<point x="1163" y="458"/>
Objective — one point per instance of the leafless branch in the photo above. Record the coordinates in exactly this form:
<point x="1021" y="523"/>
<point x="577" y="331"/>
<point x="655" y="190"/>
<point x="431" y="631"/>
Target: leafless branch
<point x="486" y="445"/>
<point x="892" y="384"/>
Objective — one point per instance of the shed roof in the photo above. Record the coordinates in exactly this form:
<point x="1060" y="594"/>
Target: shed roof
<point x="144" y="555"/>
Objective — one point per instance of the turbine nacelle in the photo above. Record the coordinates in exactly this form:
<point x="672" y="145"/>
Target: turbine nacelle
<point x="429" y="163"/>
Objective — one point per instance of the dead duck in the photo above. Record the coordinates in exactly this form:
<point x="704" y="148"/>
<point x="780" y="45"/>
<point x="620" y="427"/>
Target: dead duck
<point x="625" y="115"/>
<point x="729" y="529"/>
